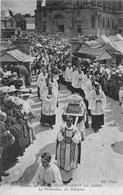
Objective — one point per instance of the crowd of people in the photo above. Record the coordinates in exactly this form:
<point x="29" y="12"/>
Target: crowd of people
<point x="53" y="67"/>
<point x="15" y="121"/>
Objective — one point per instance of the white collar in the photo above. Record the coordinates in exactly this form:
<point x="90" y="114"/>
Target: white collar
<point x="70" y="128"/>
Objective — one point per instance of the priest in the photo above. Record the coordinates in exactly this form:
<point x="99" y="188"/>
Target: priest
<point x="68" y="150"/>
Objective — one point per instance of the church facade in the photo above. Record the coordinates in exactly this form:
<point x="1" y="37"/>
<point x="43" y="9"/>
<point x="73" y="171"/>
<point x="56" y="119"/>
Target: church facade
<point x="88" y="17"/>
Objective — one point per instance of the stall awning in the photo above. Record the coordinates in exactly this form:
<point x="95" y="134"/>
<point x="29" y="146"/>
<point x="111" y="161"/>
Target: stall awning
<point x="115" y="47"/>
<point x="15" y="56"/>
<point x="105" y="56"/>
<point x="116" y="37"/>
<point x="95" y="52"/>
<point x="31" y="59"/>
<point x="119" y="46"/>
<point x="8" y="58"/>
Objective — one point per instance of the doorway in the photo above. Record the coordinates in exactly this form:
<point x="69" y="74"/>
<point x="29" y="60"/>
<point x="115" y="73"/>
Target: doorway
<point x="60" y="28"/>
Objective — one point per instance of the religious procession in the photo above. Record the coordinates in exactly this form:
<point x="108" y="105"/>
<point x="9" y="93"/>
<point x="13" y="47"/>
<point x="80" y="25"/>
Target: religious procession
<point x="61" y="95"/>
<point x="88" y="86"/>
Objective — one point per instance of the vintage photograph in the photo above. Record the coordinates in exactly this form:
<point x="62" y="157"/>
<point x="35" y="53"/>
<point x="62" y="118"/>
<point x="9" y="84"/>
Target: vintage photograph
<point x="61" y="97"/>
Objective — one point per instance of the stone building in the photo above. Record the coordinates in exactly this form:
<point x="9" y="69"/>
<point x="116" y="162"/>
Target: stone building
<point x="8" y="24"/>
<point x="89" y="17"/>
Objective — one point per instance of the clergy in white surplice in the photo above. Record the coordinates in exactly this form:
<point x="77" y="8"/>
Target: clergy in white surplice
<point x="97" y="106"/>
<point x="68" y="75"/>
<point x="49" y="104"/>
<point x="68" y="150"/>
<point x="48" y="173"/>
<point x="41" y="79"/>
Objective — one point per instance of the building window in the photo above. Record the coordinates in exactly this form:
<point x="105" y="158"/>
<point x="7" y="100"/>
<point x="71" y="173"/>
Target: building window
<point x="120" y="21"/>
<point x="93" y="22"/>
<point x="44" y="14"/>
<point x="93" y="3"/>
<point x="103" y="22"/>
<point x="120" y="31"/>
<point x="18" y="24"/>
<point x="120" y="5"/>
<point x="11" y="24"/>
<point x="99" y="18"/>
<point x="44" y="27"/>
<point x="77" y="2"/>
<point x="108" y="23"/>
<point x="85" y="3"/>
<point x="78" y="28"/>
<point x="113" y="23"/>
<point x="60" y="28"/>
<point x="5" y="24"/>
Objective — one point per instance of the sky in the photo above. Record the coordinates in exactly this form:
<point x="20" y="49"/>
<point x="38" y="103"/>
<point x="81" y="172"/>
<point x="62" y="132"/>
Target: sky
<point x="19" y="6"/>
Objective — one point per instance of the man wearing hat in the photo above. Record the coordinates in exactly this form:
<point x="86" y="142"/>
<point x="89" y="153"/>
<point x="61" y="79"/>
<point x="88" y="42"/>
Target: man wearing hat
<point x="12" y="90"/>
<point x="13" y="78"/>
<point x="3" y="94"/>
<point x="68" y="150"/>
<point x="6" y="139"/>
<point x="24" y="90"/>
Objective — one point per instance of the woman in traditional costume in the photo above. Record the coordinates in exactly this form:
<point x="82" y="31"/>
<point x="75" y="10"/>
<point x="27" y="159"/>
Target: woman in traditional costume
<point x="28" y="116"/>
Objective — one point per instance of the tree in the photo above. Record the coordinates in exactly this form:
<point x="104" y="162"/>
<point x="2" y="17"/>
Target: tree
<point x="27" y="15"/>
<point x="11" y="13"/>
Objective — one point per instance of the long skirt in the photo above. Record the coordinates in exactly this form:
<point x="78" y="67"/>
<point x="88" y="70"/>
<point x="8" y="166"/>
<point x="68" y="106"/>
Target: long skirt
<point x="68" y="84"/>
<point x="67" y="175"/>
<point x="38" y="91"/>
<point x="73" y="89"/>
<point x="60" y="79"/>
<point x="31" y="131"/>
<point x="97" y="121"/>
<point x="50" y="119"/>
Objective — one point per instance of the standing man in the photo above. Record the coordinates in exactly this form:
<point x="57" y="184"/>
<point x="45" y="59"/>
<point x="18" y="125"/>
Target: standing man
<point x="75" y="85"/>
<point x="41" y="78"/>
<point x="48" y="174"/>
<point x="48" y="110"/>
<point x="97" y="105"/>
<point x="68" y="75"/>
<point x="68" y="150"/>
<point x="80" y="79"/>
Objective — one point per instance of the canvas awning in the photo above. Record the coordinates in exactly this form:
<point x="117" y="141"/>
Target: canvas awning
<point x="31" y="59"/>
<point x="102" y="40"/>
<point x="119" y="46"/>
<point x="116" y="37"/>
<point x="95" y="52"/>
<point x="15" y="56"/>
<point x="115" y="47"/>
<point x="105" y="56"/>
<point x="92" y="43"/>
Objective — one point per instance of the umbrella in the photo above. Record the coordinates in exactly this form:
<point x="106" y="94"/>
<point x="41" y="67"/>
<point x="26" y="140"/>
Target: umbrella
<point x="85" y="62"/>
<point x="20" y="69"/>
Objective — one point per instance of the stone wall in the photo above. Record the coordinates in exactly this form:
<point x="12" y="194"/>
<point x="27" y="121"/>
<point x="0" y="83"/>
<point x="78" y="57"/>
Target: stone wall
<point x="73" y="19"/>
